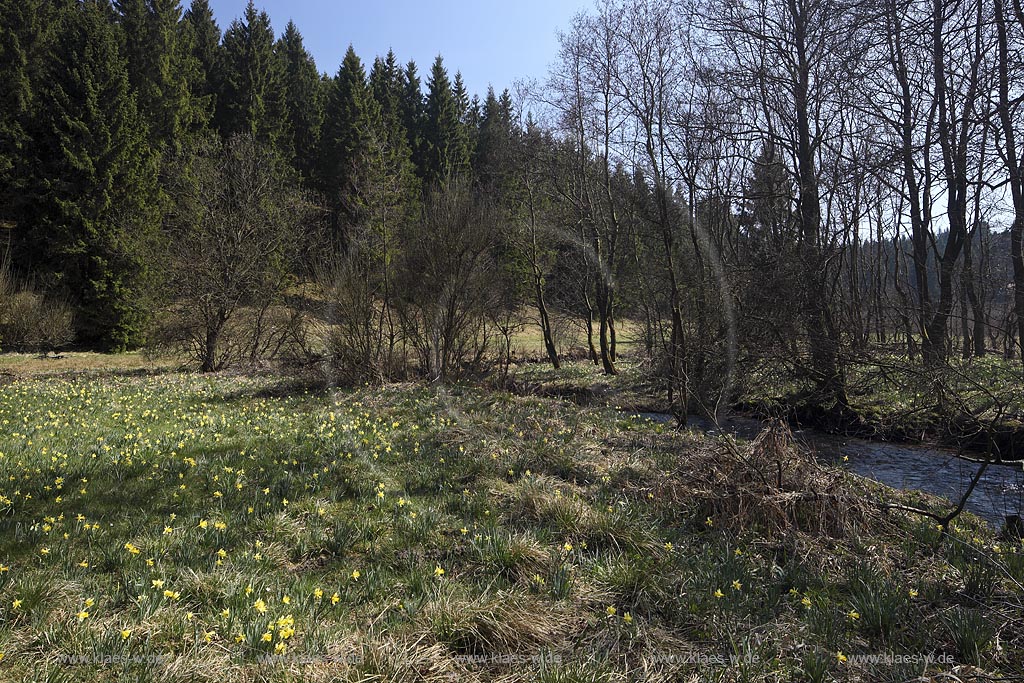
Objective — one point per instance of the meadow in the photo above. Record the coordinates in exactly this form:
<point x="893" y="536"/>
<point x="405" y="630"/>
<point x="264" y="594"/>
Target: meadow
<point x="166" y="526"/>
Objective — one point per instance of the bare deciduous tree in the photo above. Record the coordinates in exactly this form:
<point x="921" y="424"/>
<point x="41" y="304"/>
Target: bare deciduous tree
<point x="232" y="239"/>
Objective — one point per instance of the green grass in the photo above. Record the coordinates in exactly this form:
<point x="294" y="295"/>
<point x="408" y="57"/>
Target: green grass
<point x="229" y="529"/>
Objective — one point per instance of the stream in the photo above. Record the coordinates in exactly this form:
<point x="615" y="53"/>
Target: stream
<point x="935" y="470"/>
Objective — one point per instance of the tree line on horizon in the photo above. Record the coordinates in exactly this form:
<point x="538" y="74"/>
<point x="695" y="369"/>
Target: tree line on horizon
<point x="803" y="183"/>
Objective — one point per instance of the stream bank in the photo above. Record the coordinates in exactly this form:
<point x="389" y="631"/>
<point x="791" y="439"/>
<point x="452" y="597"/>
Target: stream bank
<point x="931" y="469"/>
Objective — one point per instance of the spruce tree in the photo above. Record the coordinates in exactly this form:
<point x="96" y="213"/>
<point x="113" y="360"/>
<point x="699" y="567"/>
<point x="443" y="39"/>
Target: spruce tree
<point x="474" y="117"/>
<point x="386" y="85"/>
<point x="389" y="88"/>
<point x="769" y="198"/>
<point x="446" y="152"/>
<point x="177" y="114"/>
<point x="414" y="116"/>
<point x="469" y="116"/>
<point x="351" y="116"/>
<point x="203" y="41"/>
<point x="131" y="17"/>
<point x="23" y="45"/>
<point x="302" y="100"/>
<point x="494" y="143"/>
<point x="161" y="68"/>
<point x="252" y="93"/>
<point x="92" y="192"/>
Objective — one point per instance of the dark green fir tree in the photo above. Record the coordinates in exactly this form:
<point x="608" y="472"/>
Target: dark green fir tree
<point x="252" y="99"/>
<point x="92" y="196"/>
<point x="446" y="153"/>
<point x="351" y="118"/>
<point x="303" y="102"/>
<point x="203" y="41"/>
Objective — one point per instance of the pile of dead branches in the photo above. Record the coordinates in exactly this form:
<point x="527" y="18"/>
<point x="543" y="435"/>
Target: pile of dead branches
<point x="769" y="484"/>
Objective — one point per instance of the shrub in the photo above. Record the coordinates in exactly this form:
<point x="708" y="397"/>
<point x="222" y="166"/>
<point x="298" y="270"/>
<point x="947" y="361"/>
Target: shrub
<point x="363" y="337"/>
<point x="29" y="321"/>
<point x="450" y="285"/>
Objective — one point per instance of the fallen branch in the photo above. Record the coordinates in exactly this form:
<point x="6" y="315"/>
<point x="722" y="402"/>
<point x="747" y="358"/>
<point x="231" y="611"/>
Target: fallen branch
<point x="943" y="520"/>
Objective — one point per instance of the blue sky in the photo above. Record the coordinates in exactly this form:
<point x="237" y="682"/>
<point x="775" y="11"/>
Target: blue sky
<point x="490" y="41"/>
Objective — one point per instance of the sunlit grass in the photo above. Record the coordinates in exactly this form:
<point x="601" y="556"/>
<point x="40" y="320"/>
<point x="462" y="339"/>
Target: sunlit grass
<point x="35" y="365"/>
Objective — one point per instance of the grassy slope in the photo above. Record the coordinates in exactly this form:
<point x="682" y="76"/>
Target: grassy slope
<point x="400" y="533"/>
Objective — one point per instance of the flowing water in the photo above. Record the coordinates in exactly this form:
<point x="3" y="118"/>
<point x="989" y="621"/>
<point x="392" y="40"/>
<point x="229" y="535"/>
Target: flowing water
<point x="1000" y="491"/>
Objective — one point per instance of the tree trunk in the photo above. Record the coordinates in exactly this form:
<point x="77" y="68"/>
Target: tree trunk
<point x="979" y="329"/>
<point x="822" y="338"/>
<point x="1013" y="166"/>
<point x="589" y="320"/>
<point x="953" y="137"/>
<point x="545" y="319"/>
<point x="211" y="344"/>
<point x="604" y="316"/>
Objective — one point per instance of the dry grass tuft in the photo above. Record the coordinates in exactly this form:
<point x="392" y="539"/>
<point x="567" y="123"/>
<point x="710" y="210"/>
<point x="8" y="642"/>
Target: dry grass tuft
<point x="502" y="623"/>
<point x="395" y="659"/>
<point x="541" y="499"/>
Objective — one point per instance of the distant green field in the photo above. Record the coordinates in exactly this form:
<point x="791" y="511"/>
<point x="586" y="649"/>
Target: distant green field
<point x="175" y="527"/>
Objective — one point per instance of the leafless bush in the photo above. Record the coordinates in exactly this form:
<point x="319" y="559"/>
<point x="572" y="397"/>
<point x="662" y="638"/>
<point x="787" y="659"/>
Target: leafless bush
<point x="771" y="484"/>
<point x="449" y="285"/>
<point x="30" y="321"/>
<point x="567" y="331"/>
<point x="363" y="337"/>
